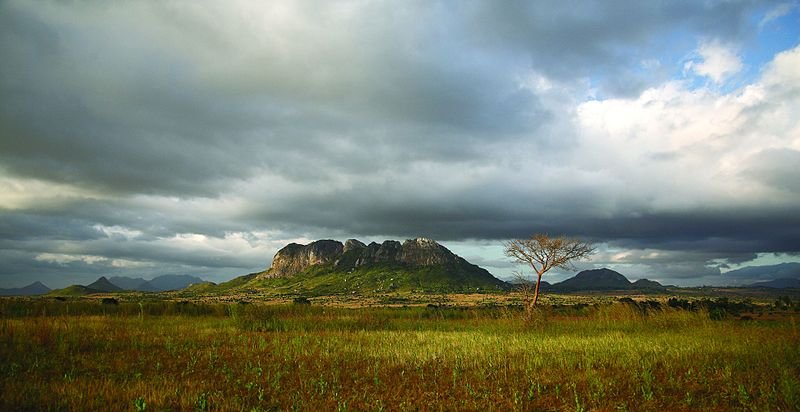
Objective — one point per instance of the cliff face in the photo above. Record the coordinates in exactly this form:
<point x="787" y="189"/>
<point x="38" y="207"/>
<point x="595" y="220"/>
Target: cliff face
<point x="295" y="258"/>
<point x="426" y="252"/>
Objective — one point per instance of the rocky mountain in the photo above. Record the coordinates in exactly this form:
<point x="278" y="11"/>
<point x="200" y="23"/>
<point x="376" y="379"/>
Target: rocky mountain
<point x="35" y="288"/>
<point x="295" y="258"/>
<point x="329" y="266"/>
<point x="103" y="285"/>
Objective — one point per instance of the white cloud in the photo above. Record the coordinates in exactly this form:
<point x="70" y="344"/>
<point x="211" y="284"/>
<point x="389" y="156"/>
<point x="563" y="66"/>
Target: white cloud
<point x="18" y="193"/>
<point x="716" y="61"/>
<point x="118" y="232"/>
<point x="64" y="258"/>
<point x="678" y="147"/>
<point x="776" y="13"/>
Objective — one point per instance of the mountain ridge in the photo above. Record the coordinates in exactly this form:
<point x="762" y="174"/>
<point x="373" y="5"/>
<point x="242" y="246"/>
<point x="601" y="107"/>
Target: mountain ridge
<point x="782" y="283"/>
<point x="161" y="283"/>
<point x="35" y="288"/>
<point x="295" y="258"/>
<point x="330" y="266"/>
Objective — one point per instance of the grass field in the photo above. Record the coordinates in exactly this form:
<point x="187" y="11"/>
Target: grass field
<point x="85" y="355"/>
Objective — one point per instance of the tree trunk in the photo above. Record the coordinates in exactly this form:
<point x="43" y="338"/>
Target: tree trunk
<point x="536" y="292"/>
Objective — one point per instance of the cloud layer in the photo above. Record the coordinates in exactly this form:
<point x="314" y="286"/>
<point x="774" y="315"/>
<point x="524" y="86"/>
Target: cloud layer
<point x="152" y="137"/>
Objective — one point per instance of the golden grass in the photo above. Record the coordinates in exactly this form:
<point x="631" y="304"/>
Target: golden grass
<point x="267" y="357"/>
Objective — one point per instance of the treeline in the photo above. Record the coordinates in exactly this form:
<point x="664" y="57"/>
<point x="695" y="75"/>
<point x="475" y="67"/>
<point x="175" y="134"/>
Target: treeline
<point x="718" y="308"/>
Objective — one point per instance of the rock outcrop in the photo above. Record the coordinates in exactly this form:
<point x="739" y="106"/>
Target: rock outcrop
<point x="295" y="258"/>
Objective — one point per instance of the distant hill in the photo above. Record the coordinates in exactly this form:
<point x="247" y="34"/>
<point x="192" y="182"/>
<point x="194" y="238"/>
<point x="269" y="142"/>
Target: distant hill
<point x="103" y="285"/>
<point x="603" y="279"/>
<point x="121" y="284"/>
<point x="173" y="282"/>
<point x="545" y="285"/>
<point x="751" y="274"/>
<point x="644" y="284"/>
<point x="331" y="267"/>
<point x="128" y="283"/>
<point x="157" y="284"/>
<point x="35" y="288"/>
<point x="595" y="279"/>
<point x="785" y="283"/>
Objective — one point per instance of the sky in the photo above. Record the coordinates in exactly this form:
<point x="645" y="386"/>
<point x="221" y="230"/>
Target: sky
<point x="199" y="137"/>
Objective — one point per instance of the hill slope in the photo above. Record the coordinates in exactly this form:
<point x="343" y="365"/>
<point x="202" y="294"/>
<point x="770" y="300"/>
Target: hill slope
<point x="74" y="290"/>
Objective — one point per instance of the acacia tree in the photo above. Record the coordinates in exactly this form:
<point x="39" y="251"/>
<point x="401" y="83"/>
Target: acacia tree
<point x="542" y="253"/>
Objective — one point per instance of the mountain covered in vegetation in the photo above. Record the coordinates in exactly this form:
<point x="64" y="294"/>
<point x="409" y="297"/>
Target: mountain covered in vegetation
<point x="331" y="267"/>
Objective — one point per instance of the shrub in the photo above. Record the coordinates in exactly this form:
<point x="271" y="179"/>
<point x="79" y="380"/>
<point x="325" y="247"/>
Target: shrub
<point x="301" y="300"/>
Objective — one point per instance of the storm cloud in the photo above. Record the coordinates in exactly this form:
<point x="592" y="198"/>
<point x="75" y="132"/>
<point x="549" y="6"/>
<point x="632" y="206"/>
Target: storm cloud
<point x="147" y="138"/>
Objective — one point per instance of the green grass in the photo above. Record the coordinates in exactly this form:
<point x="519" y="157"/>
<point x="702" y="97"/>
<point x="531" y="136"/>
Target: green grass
<point x="74" y="290"/>
<point x="186" y="356"/>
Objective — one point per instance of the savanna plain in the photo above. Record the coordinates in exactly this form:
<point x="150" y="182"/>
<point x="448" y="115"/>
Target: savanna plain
<point x="654" y="354"/>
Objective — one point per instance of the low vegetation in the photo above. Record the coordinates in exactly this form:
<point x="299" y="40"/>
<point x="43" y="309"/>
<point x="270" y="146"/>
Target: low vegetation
<point x="79" y="354"/>
<point x="326" y="279"/>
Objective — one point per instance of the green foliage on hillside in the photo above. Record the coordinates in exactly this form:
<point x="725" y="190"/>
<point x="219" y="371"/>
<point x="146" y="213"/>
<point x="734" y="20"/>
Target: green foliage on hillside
<point x="200" y="287"/>
<point x="381" y="278"/>
<point x="74" y="290"/>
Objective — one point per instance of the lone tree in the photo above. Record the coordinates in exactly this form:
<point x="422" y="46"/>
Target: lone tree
<point x="543" y="253"/>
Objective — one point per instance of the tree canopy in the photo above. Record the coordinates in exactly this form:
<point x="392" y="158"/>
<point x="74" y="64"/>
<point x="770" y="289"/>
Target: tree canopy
<point x="542" y="253"/>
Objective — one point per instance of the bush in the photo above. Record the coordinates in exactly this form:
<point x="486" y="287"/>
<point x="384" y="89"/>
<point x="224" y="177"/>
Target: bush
<point x="301" y="300"/>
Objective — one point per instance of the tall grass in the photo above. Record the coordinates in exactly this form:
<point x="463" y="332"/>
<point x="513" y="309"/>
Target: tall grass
<point x="258" y="357"/>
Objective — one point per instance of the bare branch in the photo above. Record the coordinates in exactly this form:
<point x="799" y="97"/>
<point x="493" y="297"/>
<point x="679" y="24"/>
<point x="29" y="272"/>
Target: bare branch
<point x="542" y="253"/>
